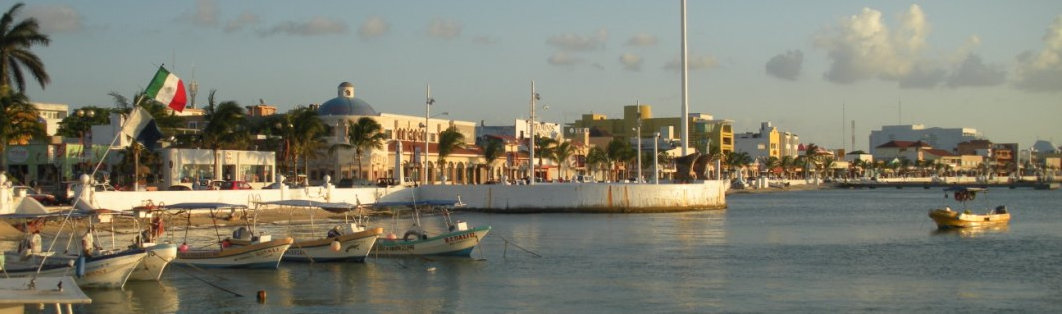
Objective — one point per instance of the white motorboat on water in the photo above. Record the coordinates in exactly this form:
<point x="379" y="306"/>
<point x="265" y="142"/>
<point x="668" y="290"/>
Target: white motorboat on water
<point x="458" y="240"/>
<point x="350" y="241"/>
<point x="244" y="249"/>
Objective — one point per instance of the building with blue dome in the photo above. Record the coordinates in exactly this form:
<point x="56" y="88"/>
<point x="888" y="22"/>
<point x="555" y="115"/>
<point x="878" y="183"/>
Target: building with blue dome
<point x="345" y="104"/>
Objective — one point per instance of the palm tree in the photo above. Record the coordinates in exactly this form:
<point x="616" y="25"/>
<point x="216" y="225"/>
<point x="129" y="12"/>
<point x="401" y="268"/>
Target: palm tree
<point x="620" y="151"/>
<point x="363" y="135"/>
<point x="787" y="163"/>
<point x="561" y="153"/>
<point x="450" y="140"/>
<point x="307" y="133"/>
<point x="16" y="39"/>
<point x="544" y="147"/>
<point x="18" y="122"/>
<point x="597" y="157"/>
<point x="492" y="150"/>
<point x="771" y="163"/>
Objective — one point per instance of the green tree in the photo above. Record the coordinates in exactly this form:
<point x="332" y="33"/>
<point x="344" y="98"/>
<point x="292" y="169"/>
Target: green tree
<point x="16" y="40"/>
<point x="307" y="133"/>
<point x="561" y="152"/>
<point x="450" y="140"/>
<point x="492" y="150"/>
<point x="771" y="163"/>
<point x="596" y="158"/>
<point x="620" y="151"/>
<point x="74" y="126"/>
<point x="18" y="122"/>
<point x="363" y="135"/>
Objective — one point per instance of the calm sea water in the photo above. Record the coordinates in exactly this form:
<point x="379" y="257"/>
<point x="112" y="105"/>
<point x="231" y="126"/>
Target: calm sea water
<point x="810" y="251"/>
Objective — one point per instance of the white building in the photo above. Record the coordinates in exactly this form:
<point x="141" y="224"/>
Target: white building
<point x="940" y="138"/>
<point x="52" y="114"/>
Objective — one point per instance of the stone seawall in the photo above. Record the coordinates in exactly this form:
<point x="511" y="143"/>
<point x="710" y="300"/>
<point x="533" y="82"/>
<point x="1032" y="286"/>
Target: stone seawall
<point x="578" y="197"/>
<point x="546" y="197"/>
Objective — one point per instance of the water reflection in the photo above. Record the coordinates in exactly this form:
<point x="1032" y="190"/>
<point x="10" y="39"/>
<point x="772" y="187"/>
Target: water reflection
<point x="137" y="296"/>
<point x="972" y="232"/>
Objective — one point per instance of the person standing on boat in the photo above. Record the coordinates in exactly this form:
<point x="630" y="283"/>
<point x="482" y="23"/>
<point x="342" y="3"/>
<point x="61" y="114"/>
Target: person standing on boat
<point x="88" y="243"/>
<point x="35" y="242"/>
<point x="157" y="228"/>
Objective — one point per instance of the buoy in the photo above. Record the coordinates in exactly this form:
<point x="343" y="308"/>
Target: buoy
<point x="336" y="246"/>
<point x="261" y="296"/>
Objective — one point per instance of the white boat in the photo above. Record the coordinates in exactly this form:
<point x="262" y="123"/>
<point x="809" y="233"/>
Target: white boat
<point x="351" y="242"/>
<point x="243" y="250"/>
<point x="458" y="240"/>
<point x="101" y="271"/>
<point x="159" y="255"/>
<point x="104" y="269"/>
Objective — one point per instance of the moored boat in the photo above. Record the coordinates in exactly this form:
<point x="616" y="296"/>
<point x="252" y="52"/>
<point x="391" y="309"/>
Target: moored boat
<point x="244" y="249"/>
<point x="458" y="240"/>
<point x="946" y="218"/>
<point x="350" y="241"/>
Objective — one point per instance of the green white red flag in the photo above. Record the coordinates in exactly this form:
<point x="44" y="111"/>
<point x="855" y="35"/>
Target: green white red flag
<point x="168" y="89"/>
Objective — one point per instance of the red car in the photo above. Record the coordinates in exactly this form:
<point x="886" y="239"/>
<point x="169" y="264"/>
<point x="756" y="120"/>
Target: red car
<point x="44" y="199"/>
<point x="233" y="185"/>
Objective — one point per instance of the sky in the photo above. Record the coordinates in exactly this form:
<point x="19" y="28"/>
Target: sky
<point x="810" y="67"/>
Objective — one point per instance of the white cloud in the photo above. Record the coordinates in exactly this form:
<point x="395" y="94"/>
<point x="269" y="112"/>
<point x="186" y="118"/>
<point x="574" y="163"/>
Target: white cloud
<point x="862" y="47"/>
<point x="631" y="62"/>
<point x="316" y="26"/>
<point x="373" y="27"/>
<point x="574" y="42"/>
<point x="641" y="39"/>
<point x="205" y="14"/>
<point x="694" y="63"/>
<point x="445" y="29"/>
<point x="1042" y="71"/>
<point x="561" y="58"/>
<point x="55" y="18"/>
<point x="786" y="65"/>
<point x="974" y="72"/>
<point x="245" y="19"/>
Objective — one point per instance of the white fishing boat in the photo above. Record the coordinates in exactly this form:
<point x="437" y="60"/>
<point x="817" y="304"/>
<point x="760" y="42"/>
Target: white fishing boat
<point x="350" y="241"/>
<point x="244" y="249"/>
<point x="458" y="240"/>
<point x="100" y="269"/>
<point x="159" y="255"/>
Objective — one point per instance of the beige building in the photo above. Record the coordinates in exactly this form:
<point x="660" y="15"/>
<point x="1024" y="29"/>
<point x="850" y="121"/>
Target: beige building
<point x="462" y="166"/>
<point x="704" y="129"/>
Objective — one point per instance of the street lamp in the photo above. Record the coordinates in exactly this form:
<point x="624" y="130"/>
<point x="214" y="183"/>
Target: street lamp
<point x="638" y="138"/>
<point x="531" y="151"/>
<point x="656" y="161"/>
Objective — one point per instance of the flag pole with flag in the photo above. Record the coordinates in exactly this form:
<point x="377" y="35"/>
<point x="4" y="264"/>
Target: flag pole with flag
<point x="167" y="89"/>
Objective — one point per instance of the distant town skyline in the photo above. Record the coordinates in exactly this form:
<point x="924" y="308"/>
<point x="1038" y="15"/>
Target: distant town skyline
<point x="989" y="65"/>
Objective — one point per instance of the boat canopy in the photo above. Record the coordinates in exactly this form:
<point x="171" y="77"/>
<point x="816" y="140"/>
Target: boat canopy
<point x="186" y="206"/>
<point x="332" y="207"/>
<point x="423" y="203"/>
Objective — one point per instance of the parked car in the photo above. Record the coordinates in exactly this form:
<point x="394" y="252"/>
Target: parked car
<point x="179" y="188"/>
<point x="234" y="185"/>
<point x="43" y="198"/>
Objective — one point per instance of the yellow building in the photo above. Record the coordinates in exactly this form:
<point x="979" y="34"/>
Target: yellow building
<point x="703" y="128"/>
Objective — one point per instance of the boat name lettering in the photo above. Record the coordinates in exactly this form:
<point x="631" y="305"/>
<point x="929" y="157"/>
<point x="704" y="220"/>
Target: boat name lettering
<point x="460" y="237"/>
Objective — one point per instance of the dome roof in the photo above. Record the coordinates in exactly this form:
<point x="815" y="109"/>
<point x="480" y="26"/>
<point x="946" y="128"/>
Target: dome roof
<point x="343" y="106"/>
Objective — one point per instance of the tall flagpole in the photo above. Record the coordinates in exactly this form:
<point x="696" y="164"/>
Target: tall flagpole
<point x="531" y="145"/>
<point x="685" y="118"/>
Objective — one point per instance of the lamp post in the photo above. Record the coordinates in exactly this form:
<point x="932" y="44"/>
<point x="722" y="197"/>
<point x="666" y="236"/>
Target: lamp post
<point x="656" y="158"/>
<point x="428" y="101"/>
<point x="531" y="140"/>
<point x="638" y="139"/>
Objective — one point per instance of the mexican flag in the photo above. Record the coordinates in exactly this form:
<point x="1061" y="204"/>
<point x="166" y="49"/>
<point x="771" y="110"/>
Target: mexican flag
<point x="168" y="89"/>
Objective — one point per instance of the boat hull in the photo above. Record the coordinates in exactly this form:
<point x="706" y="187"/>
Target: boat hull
<point x="110" y="271"/>
<point x="946" y="219"/>
<point x="457" y="243"/>
<point x="158" y="256"/>
<point x="353" y="247"/>
<point x="258" y="255"/>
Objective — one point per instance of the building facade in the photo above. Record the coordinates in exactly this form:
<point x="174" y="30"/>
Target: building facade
<point x="941" y="138"/>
